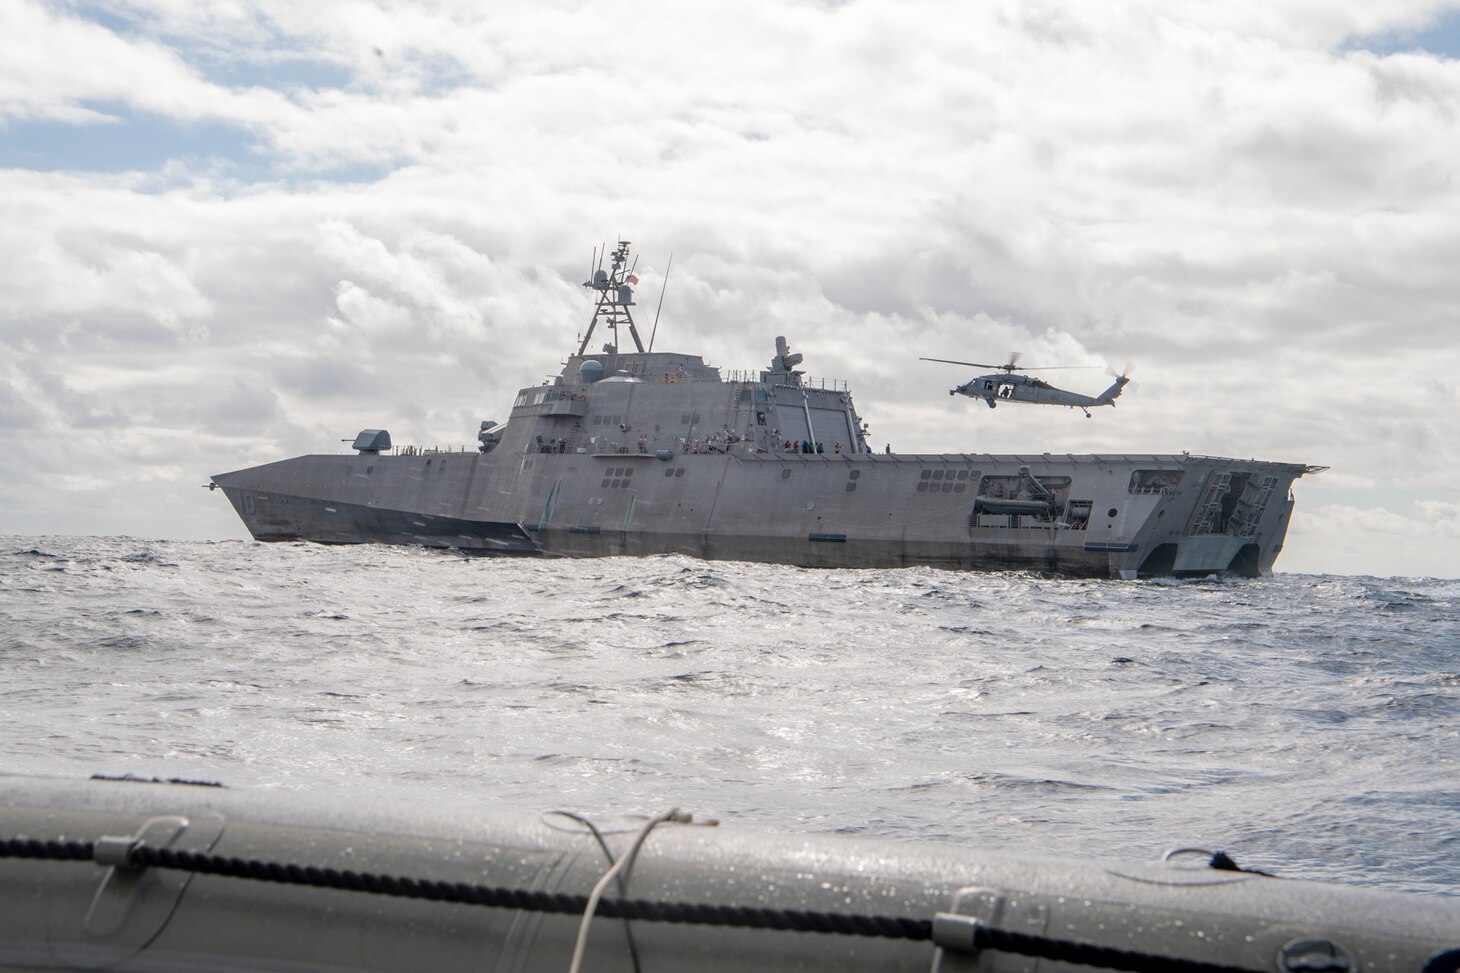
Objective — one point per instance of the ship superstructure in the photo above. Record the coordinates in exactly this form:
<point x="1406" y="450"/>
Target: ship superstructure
<point x="642" y="452"/>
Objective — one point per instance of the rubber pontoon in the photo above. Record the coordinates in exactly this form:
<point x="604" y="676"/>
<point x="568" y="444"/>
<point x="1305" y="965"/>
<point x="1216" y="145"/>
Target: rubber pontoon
<point x="136" y="875"/>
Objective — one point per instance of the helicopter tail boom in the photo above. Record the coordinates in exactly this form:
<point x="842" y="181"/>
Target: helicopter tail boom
<point x="1109" y="396"/>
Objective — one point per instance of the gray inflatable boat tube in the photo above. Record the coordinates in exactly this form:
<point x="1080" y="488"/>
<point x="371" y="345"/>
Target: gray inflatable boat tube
<point x="170" y="876"/>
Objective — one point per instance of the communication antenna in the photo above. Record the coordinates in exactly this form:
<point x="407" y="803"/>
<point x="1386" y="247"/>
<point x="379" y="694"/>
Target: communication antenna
<point x="662" y="288"/>
<point x="615" y="297"/>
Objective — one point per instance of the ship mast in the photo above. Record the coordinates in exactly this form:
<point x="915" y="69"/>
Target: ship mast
<point x="615" y="297"/>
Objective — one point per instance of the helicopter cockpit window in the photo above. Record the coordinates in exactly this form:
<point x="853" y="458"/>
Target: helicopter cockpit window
<point x="988" y="385"/>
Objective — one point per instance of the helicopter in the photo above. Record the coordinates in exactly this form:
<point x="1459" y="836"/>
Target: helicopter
<point x="1007" y="386"/>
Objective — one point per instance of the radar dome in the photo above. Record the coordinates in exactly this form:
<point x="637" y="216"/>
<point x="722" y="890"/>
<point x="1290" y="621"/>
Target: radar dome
<point x="590" y="371"/>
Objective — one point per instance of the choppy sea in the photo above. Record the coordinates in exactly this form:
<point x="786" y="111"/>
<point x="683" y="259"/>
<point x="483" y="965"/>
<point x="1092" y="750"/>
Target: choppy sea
<point x="1307" y="725"/>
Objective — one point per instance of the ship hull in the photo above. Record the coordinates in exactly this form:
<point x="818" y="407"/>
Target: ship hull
<point x="1119" y="517"/>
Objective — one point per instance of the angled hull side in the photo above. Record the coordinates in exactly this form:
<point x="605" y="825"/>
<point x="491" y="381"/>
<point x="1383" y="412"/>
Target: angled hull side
<point x="859" y="510"/>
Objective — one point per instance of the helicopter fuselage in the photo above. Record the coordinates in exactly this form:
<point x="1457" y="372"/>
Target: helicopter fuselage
<point x="1011" y="387"/>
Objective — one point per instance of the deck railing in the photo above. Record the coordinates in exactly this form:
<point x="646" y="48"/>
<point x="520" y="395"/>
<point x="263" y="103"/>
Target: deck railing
<point x="807" y="381"/>
<point x="429" y="450"/>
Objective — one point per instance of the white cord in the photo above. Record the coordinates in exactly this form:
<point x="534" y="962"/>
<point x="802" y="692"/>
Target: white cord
<point x="625" y="863"/>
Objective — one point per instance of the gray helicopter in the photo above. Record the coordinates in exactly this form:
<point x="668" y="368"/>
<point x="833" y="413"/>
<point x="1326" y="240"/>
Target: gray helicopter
<point x="1007" y="386"/>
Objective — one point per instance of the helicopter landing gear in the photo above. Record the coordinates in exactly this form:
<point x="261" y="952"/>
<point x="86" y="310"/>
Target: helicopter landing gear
<point x="991" y="403"/>
<point x="1087" y="413"/>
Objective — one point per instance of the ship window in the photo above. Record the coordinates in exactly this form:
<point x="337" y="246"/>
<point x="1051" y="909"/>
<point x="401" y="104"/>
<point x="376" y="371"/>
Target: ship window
<point x="1156" y="481"/>
<point x="369" y="470"/>
<point x="947" y="488"/>
<point x="684" y="419"/>
<point x="598" y="420"/>
<point x="1111" y="512"/>
<point x="628" y="471"/>
<point x="604" y="484"/>
<point x="937" y="474"/>
<point x="851" y="486"/>
<point x="959" y="487"/>
<point x="785" y="474"/>
<point x="963" y="474"/>
<point x="668" y="472"/>
<point x="854" y="474"/>
<point x="745" y="395"/>
<point x="679" y="472"/>
<point x="923" y="487"/>
<point x="760" y="396"/>
<point x="615" y="484"/>
<point x="925" y="474"/>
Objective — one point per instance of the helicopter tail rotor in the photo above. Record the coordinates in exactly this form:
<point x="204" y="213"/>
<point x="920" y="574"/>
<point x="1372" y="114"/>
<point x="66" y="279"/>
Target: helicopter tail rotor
<point x="1122" y="379"/>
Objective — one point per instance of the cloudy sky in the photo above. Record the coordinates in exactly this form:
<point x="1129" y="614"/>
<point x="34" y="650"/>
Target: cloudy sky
<point x="234" y="232"/>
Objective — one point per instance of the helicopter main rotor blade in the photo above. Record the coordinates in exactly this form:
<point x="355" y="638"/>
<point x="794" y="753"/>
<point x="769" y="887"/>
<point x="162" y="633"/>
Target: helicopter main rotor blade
<point x="971" y="364"/>
<point x="1007" y="367"/>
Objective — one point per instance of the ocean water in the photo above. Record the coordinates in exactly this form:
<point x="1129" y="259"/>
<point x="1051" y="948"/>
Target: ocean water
<point x="1308" y="725"/>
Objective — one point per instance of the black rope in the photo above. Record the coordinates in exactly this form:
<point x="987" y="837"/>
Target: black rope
<point x="1084" y="954"/>
<point x="463" y="893"/>
<point x="795" y="920"/>
<point x="61" y="851"/>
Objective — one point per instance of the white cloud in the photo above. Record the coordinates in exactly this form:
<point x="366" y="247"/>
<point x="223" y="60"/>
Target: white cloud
<point x="1261" y="219"/>
<point x="59" y="67"/>
<point x="1378" y="541"/>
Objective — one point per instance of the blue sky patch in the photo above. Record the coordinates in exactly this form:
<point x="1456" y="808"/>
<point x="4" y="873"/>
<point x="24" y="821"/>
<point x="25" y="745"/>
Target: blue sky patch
<point x="136" y="141"/>
<point x="280" y="75"/>
<point x="144" y="142"/>
<point x="273" y="61"/>
<point x="1441" y="38"/>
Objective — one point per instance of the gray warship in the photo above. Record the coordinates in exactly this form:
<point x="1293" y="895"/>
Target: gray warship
<point x="643" y="452"/>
